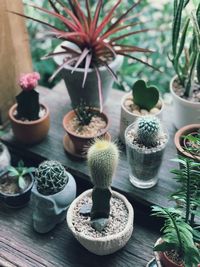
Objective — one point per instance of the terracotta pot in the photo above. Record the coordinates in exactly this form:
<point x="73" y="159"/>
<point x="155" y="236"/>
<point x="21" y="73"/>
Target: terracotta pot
<point x="167" y="262"/>
<point x="81" y="143"/>
<point x="30" y="132"/>
<point x="102" y="245"/>
<point x="178" y="140"/>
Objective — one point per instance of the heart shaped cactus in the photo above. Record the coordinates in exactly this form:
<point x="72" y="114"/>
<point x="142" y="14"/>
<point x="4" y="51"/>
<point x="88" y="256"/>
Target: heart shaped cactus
<point x="145" y="97"/>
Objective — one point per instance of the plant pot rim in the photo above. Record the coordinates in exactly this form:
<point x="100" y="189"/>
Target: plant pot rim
<point x="187" y="128"/>
<point x="18" y="194"/>
<point x="125" y="97"/>
<point x="71" y="113"/>
<point x="82" y="70"/>
<point x="12" y="118"/>
<point x="178" y="97"/>
<point x="105" y="238"/>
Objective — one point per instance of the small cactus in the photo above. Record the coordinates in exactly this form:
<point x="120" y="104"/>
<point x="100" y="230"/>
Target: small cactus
<point x="102" y="161"/>
<point x="51" y="177"/>
<point x="148" y="130"/>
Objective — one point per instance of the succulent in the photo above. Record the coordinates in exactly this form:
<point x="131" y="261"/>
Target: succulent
<point x="83" y="113"/>
<point x="148" y="130"/>
<point x="102" y="161"/>
<point x="51" y="177"/>
<point x="145" y="97"/>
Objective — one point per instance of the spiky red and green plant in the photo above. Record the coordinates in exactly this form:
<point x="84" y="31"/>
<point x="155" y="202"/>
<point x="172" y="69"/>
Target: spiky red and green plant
<point x="95" y="40"/>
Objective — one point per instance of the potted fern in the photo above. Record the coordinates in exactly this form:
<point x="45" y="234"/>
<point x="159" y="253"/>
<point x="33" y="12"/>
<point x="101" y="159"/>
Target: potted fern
<point x="185" y="86"/>
<point x="93" y="51"/>
<point x="100" y="218"/>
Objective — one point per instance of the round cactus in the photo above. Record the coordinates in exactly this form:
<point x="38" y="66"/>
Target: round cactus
<point x="148" y="130"/>
<point x="51" y="177"/>
<point x="102" y="161"/>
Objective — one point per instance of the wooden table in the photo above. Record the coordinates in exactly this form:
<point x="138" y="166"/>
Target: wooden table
<point x="59" y="248"/>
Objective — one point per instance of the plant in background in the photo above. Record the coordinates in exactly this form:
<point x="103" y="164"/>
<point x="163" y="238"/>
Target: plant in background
<point x="177" y="236"/>
<point x="102" y="161"/>
<point x="51" y="177"/>
<point x="28" y="106"/>
<point x="19" y="173"/>
<point x="145" y="97"/>
<point x="96" y="41"/>
<point x="186" y="54"/>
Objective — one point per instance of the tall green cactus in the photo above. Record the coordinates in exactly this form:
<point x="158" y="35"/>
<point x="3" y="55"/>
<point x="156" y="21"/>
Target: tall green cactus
<point x="51" y="177"/>
<point x="102" y="161"/>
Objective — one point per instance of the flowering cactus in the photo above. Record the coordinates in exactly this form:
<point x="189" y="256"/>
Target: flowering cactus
<point x="28" y="100"/>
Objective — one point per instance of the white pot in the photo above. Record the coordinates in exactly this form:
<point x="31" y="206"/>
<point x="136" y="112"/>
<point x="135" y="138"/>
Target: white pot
<point x="89" y="94"/>
<point x="184" y="112"/>
<point x="102" y="245"/>
<point x="4" y="158"/>
<point x="127" y="117"/>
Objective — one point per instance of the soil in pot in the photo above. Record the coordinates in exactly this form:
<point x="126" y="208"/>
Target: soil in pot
<point x="117" y="221"/>
<point x="42" y="113"/>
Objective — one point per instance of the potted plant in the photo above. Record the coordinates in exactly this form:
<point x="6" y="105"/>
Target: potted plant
<point x="82" y="125"/>
<point x="4" y="158"/>
<point x="53" y="191"/>
<point x="29" y="119"/>
<point x="185" y="86"/>
<point x="101" y="219"/>
<point x="176" y="247"/>
<point x="92" y="47"/>
<point x="187" y="141"/>
<point x="146" y="140"/>
<point x="143" y="100"/>
<point x="15" y="185"/>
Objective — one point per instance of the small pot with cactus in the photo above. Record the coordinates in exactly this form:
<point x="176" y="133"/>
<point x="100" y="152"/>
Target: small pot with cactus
<point x="185" y="86"/>
<point x="146" y="140"/>
<point x="53" y="192"/>
<point x="100" y="218"/>
<point x="29" y="119"/>
<point x="16" y="184"/>
<point x="82" y="125"/>
<point x="142" y="101"/>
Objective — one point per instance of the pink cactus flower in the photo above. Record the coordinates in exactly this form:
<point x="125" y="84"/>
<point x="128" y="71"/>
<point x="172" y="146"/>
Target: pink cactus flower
<point x="29" y="81"/>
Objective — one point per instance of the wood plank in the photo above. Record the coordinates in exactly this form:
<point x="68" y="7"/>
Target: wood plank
<point x="52" y="148"/>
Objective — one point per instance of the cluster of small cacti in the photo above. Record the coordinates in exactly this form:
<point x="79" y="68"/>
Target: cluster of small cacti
<point x="148" y="130"/>
<point x="102" y="161"/>
<point x="51" y="177"/>
<point x="83" y="113"/>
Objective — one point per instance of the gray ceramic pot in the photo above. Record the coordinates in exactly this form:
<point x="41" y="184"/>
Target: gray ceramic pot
<point x="89" y="94"/>
<point x="48" y="211"/>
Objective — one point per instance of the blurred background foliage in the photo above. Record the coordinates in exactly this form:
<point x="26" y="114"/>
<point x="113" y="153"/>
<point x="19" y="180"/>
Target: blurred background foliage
<point x="155" y="14"/>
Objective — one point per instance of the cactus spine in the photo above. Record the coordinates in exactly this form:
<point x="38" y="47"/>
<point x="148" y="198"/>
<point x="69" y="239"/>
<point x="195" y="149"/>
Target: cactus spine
<point x="102" y="161"/>
<point x="51" y="177"/>
<point x="148" y="130"/>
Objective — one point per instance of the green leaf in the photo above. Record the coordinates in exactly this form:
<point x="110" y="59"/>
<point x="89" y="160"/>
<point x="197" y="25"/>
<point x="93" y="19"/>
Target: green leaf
<point x="21" y="183"/>
<point x="182" y="40"/>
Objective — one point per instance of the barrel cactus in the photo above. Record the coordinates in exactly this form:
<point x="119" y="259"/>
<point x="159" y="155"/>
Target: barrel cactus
<point x="51" y="177"/>
<point x="148" y="130"/>
<point x="102" y="161"/>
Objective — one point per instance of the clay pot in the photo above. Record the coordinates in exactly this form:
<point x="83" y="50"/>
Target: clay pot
<point x="80" y="144"/>
<point x="179" y="140"/>
<point x="166" y="261"/>
<point x="30" y="132"/>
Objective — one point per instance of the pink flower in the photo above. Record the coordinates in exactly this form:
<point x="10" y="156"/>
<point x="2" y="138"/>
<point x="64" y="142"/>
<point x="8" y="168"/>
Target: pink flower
<point x="29" y="81"/>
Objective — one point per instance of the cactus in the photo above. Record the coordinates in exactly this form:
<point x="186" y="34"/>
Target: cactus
<point x="145" y="97"/>
<point x="102" y="161"/>
<point x="148" y="130"/>
<point x="51" y="177"/>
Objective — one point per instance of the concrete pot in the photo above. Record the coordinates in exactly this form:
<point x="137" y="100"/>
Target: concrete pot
<point x="102" y="245"/>
<point x="89" y="94"/>
<point x="50" y="210"/>
<point x="127" y="117"/>
<point x="30" y="132"/>
<point x="184" y="112"/>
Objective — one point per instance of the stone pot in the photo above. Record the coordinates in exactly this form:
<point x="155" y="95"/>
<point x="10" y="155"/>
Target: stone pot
<point x="5" y="158"/>
<point x="17" y="200"/>
<point x="80" y="144"/>
<point x="184" y="112"/>
<point x="89" y="94"/>
<point x="48" y="211"/>
<point x="127" y="117"/>
<point x="178" y="140"/>
<point x="102" y="245"/>
<point x="30" y="132"/>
